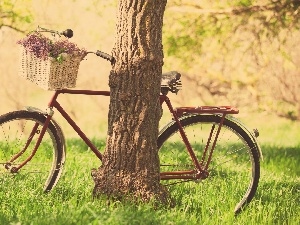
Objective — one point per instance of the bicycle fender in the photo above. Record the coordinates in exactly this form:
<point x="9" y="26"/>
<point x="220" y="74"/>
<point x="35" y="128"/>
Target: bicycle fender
<point x="61" y="135"/>
<point x="34" y="109"/>
<point x="161" y="130"/>
<point x="250" y="133"/>
<point x="229" y="117"/>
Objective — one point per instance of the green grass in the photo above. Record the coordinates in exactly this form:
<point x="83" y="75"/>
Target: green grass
<point x="276" y="201"/>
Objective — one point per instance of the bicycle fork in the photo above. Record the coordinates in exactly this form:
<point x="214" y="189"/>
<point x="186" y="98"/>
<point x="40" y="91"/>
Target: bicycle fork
<point x="34" y="131"/>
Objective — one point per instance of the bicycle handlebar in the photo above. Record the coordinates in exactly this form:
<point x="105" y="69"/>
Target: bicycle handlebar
<point x="68" y="33"/>
<point x="106" y="56"/>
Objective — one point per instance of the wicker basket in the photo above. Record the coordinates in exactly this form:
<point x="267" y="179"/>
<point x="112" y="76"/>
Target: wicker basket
<point x="49" y="74"/>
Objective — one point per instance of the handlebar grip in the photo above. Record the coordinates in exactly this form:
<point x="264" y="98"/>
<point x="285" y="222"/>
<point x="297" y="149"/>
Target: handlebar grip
<point x="106" y="56"/>
<point x="67" y="33"/>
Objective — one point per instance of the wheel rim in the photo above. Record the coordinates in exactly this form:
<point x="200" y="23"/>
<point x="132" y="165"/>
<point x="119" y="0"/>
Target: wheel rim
<point x="233" y="171"/>
<point x="36" y="174"/>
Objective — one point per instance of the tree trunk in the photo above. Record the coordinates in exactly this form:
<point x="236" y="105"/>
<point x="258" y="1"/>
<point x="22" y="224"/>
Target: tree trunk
<point x="130" y="164"/>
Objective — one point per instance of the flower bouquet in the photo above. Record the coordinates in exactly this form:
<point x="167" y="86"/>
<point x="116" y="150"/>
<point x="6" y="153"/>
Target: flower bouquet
<point x="51" y="64"/>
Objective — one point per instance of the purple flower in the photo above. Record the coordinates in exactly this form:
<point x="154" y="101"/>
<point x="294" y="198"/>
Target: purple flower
<point x="43" y="47"/>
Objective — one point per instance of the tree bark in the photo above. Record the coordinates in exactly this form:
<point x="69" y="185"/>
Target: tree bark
<point x="130" y="164"/>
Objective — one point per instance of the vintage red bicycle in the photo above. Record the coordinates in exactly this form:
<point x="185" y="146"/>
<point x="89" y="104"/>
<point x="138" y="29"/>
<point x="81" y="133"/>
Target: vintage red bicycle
<point x="201" y="145"/>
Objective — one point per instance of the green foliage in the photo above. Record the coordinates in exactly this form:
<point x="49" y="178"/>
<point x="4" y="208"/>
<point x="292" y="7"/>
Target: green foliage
<point x="184" y="43"/>
<point x="244" y="3"/>
<point x="234" y="47"/>
<point x="14" y="15"/>
<point x="225" y="18"/>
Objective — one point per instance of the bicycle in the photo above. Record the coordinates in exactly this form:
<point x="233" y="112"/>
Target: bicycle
<point x="199" y="144"/>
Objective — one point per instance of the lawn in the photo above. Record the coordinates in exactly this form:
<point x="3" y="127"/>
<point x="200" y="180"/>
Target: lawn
<point x="276" y="201"/>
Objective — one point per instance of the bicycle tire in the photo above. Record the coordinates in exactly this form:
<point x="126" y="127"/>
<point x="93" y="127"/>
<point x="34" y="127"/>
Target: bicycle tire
<point x="45" y="168"/>
<point x="246" y="156"/>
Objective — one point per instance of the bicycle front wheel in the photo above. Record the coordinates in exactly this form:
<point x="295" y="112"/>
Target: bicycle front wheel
<point x="44" y="169"/>
<point x="234" y="171"/>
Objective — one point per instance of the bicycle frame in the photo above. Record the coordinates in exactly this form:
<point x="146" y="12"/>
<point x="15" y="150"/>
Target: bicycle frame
<point x="177" y="113"/>
<point x="54" y="104"/>
<point x="201" y="168"/>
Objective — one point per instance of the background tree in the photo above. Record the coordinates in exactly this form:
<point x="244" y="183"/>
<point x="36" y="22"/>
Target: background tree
<point x="14" y="17"/>
<point x="238" y="52"/>
<point x="130" y="164"/>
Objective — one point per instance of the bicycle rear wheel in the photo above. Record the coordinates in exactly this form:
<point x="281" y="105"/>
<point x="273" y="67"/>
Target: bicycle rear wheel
<point x="44" y="169"/>
<point x="234" y="170"/>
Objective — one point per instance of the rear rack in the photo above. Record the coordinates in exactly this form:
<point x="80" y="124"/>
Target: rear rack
<point x="207" y="109"/>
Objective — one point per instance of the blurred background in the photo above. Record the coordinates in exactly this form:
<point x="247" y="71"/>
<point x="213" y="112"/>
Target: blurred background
<point x="241" y="53"/>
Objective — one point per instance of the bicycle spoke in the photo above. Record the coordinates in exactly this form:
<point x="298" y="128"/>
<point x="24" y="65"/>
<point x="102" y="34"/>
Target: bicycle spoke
<point x="234" y="168"/>
<point x="19" y="134"/>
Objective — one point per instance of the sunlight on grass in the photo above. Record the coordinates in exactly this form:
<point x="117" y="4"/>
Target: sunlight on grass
<point x="208" y="202"/>
<point x="274" y="130"/>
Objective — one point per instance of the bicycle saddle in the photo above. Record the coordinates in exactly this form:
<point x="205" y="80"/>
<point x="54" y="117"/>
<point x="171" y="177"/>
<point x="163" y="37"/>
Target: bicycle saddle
<point x="170" y="81"/>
